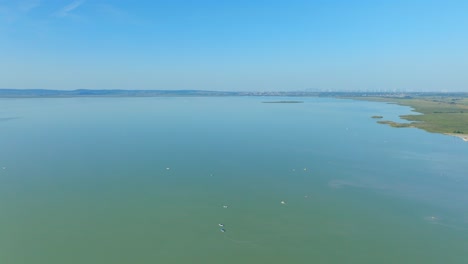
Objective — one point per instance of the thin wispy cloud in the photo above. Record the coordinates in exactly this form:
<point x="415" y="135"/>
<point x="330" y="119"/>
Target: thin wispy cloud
<point x="8" y="15"/>
<point x="26" y="6"/>
<point x="111" y="10"/>
<point x="68" y="9"/>
<point x="12" y="12"/>
<point x="115" y="13"/>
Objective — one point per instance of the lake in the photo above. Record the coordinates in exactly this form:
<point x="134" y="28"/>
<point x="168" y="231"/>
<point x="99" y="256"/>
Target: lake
<point x="150" y="180"/>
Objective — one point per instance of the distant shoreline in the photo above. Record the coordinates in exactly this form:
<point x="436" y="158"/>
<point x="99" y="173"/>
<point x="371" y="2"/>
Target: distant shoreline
<point x="45" y="93"/>
<point x="444" y="113"/>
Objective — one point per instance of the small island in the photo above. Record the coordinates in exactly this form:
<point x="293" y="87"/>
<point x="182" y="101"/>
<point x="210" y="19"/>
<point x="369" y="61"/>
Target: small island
<point x="283" y="102"/>
<point x="377" y="116"/>
<point x="395" y="124"/>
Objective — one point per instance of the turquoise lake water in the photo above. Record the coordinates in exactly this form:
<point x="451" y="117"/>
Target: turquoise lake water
<point x="147" y="180"/>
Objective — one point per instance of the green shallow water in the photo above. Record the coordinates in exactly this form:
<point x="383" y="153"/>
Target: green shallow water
<point x="86" y="181"/>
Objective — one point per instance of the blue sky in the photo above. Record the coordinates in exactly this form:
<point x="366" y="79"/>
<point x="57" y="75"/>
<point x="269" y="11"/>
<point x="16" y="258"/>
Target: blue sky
<point x="235" y="45"/>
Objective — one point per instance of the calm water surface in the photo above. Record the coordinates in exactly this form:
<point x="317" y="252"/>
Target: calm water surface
<point x="145" y="180"/>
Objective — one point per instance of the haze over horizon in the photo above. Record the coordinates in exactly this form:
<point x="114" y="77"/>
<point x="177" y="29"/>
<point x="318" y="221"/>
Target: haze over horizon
<point x="234" y="45"/>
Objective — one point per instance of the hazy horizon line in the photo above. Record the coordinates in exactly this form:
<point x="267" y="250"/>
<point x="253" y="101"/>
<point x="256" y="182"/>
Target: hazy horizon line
<point x="251" y="91"/>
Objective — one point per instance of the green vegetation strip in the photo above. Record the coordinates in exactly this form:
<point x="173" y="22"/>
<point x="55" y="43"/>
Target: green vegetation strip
<point x="447" y="115"/>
